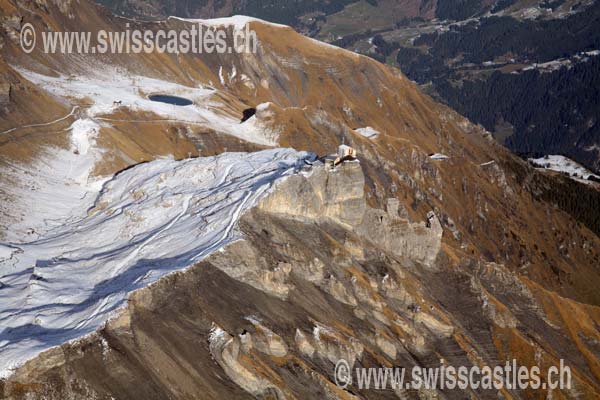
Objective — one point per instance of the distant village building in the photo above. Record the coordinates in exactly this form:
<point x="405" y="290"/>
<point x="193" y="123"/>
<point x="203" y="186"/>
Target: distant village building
<point x="344" y="153"/>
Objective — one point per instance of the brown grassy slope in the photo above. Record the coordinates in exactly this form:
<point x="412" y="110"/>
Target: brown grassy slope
<point x="494" y="216"/>
<point x="321" y="94"/>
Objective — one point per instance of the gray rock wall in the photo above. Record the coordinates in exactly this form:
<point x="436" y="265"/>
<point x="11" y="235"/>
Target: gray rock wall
<point x="337" y="195"/>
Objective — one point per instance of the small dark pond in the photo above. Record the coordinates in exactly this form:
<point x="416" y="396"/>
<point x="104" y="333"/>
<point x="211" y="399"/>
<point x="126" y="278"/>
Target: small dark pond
<point x="176" y="101"/>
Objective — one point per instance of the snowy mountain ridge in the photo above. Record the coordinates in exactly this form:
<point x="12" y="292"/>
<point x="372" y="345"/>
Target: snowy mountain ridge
<point x="167" y="215"/>
<point x="559" y="163"/>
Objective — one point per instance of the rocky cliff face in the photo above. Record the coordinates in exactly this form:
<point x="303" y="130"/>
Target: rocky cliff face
<point x="270" y="315"/>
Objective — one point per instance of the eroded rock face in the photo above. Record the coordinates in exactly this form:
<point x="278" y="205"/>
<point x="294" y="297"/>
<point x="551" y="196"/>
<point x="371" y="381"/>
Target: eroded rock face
<point x="228" y="352"/>
<point x="252" y="267"/>
<point x="270" y="316"/>
<point x="11" y="24"/>
<point x="418" y="241"/>
<point x="338" y="195"/>
<point x="322" y="193"/>
<point x="267" y="341"/>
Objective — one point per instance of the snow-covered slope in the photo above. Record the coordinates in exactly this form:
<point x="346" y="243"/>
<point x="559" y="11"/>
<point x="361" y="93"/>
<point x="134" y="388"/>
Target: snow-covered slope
<point x="146" y="222"/>
<point x="107" y="85"/>
<point x="56" y="186"/>
<point x="565" y="165"/>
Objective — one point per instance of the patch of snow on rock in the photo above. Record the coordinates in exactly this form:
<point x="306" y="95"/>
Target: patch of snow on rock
<point x="368" y="132"/>
<point x="439" y="157"/>
<point x="221" y="77"/>
<point x="217" y="334"/>
<point x="259" y="125"/>
<point x="83" y="135"/>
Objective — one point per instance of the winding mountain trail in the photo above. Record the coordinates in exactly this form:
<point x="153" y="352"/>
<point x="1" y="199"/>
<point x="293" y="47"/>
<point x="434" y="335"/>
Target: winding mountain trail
<point x="43" y="124"/>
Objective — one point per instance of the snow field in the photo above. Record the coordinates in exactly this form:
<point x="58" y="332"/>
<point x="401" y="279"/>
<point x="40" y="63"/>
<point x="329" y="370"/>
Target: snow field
<point x="148" y="221"/>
